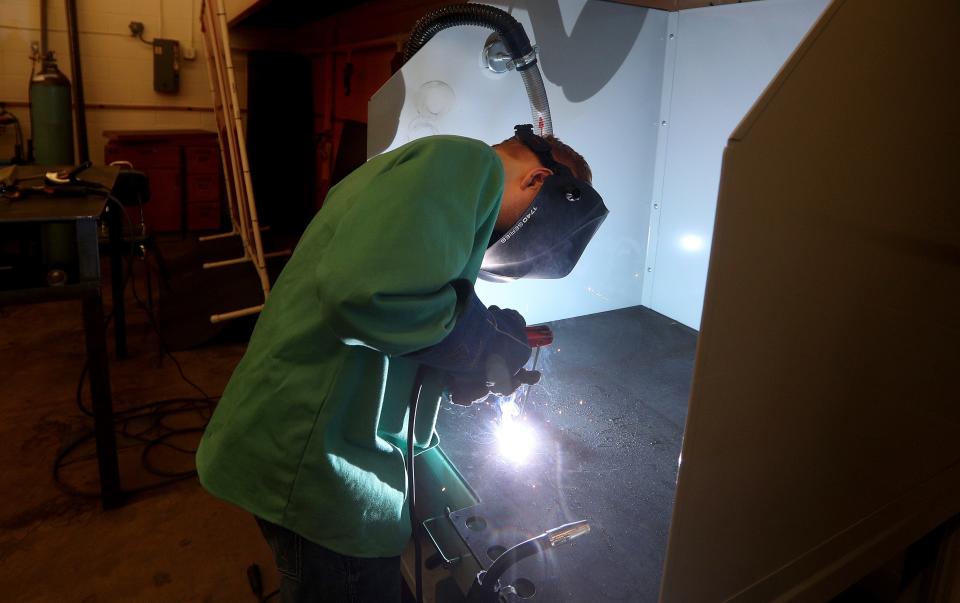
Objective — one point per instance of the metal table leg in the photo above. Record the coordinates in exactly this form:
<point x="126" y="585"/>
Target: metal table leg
<point x="110" y="494"/>
<point x="115" y="226"/>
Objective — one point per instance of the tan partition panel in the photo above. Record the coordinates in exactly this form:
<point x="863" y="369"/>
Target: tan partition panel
<point x="824" y="425"/>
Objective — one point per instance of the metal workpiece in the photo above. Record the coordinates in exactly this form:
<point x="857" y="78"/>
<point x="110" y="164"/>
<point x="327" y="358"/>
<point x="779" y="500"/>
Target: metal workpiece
<point x="598" y="440"/>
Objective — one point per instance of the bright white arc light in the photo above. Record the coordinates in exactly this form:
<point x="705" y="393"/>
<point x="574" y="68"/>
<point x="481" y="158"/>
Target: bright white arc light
<point x="515" y="440"/>
<point x="691" y="242"/>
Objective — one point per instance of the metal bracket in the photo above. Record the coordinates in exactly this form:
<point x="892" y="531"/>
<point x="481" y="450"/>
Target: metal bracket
<point x="496" y="57"/>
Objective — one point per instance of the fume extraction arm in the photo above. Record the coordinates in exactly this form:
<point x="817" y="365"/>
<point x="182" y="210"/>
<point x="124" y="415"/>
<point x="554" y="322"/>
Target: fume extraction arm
<point x="523" y="56"/>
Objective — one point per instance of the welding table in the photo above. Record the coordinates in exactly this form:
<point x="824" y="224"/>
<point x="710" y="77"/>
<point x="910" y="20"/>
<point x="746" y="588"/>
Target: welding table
<point x="609" y="415"/>
<point x="83" y="212"/>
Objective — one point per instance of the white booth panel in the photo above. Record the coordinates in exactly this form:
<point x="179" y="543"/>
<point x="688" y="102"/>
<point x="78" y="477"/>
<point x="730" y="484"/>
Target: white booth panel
<point x="722" y="57"/>
<point x="822" y="433"/>
<point x="603" y="68"/>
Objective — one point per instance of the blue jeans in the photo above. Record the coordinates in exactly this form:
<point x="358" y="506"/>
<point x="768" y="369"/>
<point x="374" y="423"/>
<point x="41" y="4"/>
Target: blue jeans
<point x="310" y="573"/>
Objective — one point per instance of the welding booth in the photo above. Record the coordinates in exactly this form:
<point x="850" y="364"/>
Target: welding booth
<point x="752" y="390"/>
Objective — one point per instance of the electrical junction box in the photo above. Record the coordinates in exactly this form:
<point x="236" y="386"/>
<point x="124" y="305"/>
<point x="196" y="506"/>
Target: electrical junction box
<point x="166" y="66"/>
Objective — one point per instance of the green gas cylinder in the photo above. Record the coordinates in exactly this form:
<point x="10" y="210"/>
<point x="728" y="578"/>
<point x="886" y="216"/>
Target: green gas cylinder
<point x="51" y="117"/>
<point x="51" y="128"/>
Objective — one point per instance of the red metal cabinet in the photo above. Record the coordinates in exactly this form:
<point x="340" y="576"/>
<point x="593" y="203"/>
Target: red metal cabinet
<point x="186" y="182"/>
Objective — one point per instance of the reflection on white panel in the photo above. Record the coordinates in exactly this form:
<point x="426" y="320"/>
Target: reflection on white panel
<point x="724" y="58"/>
<point x="692" y="243"/>
<point x="603" y="68"/>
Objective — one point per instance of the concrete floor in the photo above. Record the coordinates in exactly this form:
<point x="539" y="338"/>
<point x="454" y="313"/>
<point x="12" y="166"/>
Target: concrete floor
<point x="175" y="543"/>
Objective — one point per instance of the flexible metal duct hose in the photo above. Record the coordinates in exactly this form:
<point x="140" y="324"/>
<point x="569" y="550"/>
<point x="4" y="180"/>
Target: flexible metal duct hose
<point x="537" y="95"/>
<point x="514" y="38"/>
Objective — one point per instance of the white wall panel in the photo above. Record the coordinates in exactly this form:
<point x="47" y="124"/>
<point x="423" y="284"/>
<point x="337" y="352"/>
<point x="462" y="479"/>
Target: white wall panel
<point x="722" y="57"/>
<point x="603" y="66"/>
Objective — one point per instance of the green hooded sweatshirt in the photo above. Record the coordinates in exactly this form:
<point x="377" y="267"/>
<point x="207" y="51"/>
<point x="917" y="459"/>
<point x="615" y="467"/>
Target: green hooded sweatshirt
<point x="310" y="433"/>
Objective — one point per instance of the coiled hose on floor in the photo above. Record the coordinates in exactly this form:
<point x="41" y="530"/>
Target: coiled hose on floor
<point x="514" y="37"/>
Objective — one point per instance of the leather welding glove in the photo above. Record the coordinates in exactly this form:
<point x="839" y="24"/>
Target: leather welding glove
<point x="486" y="345"/>
<point x="465" y="392"/>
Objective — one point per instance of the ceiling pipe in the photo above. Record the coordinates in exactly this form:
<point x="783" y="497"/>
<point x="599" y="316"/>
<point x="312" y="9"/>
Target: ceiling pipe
<point x="80" y="111"/>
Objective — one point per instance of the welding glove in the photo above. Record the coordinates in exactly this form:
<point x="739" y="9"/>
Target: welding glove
<point x="485" y="350"/>
<point x="465" y="391"/>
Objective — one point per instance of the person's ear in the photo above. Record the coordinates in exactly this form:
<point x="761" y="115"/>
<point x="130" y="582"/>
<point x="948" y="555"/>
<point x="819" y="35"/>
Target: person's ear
<point x="535" y="178"/>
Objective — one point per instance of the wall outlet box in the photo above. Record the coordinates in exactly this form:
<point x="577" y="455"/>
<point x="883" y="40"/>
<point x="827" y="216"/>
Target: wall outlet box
<point x="189" y="53"/>
<point x="166" y="66"/>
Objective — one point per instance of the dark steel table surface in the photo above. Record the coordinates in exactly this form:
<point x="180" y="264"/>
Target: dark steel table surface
<point x="609" y="417"/>
<point x="43" y="208"/>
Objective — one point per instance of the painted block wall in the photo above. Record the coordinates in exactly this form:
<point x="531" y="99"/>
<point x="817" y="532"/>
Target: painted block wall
<point x="117" y="68"/>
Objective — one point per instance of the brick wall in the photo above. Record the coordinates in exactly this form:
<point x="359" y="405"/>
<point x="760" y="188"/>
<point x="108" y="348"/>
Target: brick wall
<point x="117" y="68"/>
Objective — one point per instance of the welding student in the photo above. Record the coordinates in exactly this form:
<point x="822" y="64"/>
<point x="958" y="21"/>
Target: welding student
<point x="310" y="431"/>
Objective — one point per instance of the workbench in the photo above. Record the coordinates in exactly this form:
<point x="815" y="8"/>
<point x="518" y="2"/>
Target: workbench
<point x="84" y="214"/>
<point x="608" y="417"/>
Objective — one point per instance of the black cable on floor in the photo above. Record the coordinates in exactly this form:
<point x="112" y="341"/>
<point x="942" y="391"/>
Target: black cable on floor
<point x="151" y="432"/>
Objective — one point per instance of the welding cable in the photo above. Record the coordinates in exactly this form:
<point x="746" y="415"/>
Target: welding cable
<point x="127" y="416"/>
<point x="150" y="317"/>
<point x="411" y="481"/>
<point x="128" y="277"/>
<point x="156" y="433"/>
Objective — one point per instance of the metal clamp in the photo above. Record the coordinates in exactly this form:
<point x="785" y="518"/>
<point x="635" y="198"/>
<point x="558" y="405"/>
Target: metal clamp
<point x="497" y="58"/>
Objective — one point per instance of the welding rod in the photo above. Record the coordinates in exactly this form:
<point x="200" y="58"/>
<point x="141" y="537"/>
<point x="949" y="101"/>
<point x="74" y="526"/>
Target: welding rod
<point x="537" y="337"/>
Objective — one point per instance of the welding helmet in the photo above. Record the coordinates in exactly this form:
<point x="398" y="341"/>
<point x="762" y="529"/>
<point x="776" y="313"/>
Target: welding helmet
<point x="551" y="234"/>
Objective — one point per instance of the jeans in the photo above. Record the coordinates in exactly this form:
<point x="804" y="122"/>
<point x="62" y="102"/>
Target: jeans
<point x="310" y="573"/>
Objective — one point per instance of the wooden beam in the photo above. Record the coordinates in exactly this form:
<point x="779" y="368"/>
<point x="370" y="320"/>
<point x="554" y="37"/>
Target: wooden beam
<point x="674" y="5"/>
<point x="658" y="4"/>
